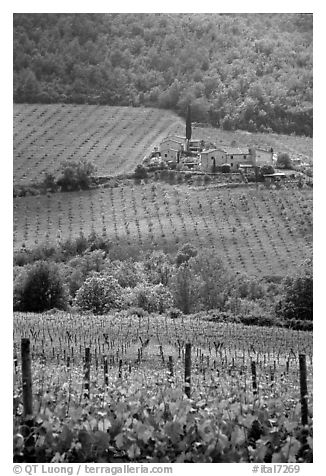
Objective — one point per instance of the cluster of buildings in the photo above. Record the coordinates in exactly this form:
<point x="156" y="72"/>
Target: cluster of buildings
<point x="175" y="150"/>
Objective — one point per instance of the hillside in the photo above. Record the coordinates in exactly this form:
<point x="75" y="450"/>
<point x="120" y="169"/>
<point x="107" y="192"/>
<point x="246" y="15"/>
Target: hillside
<point x="239" y="71"/>
<point x="260" y="232"/>
<point x="113" y="138"/>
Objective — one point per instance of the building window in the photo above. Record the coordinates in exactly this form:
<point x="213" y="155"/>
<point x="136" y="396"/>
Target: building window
<point x="231" y="164"/>
<point x="245" y="157"/>
<point x="165" y="155"/>
<point x="231" y="157"/>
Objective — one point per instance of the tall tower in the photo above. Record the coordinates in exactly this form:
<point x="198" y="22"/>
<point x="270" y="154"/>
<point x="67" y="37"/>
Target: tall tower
<point x="188" y="126"/>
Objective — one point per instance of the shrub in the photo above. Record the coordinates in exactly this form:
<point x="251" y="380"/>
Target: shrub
<point x="128" y="272"/>
<point x="98" y="242"/>
<point x="99" y="294"/>
<point x="248" y="287"/>
<point x="49" y="183"/>
<point x="40" y="288"/>
<point x="297" y="325"/>
<point x="283" y="161"/>
<point x="76" y="175"/>
<point x="174" y="313"/>
<point x="171" y="177"/>
<point x="267" y="169"/>
<point x="158" y="267"/>
<point x="151" y="298"/>
<point x="253" y="320"/>
<point x="184" y="254"/>
<point x="140" y="172"/>
<point x="225" y="168"/>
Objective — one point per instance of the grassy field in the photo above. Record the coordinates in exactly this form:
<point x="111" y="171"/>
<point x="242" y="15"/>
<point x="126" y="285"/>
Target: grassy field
<point x="137" y="409"/>
<point x="115" y="139"/>
<point x="258" y="231"/>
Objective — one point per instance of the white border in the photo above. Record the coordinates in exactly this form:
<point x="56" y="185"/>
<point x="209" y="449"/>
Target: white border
<point x="319" y="184"/>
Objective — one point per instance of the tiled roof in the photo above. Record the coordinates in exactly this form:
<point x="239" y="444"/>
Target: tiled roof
<point x="235" y="150"/>
<point x="209" y="151"/>
<point x="170" y="139"/>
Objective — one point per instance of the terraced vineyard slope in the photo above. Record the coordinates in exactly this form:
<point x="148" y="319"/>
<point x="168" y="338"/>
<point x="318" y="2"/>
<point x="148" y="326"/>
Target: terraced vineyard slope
<point x="258" y="231"/>
<point x="115" y="139"/>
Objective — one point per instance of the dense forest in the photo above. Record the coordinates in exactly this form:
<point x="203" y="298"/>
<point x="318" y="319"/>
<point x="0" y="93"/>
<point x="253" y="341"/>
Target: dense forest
<point x="238" y="71"/>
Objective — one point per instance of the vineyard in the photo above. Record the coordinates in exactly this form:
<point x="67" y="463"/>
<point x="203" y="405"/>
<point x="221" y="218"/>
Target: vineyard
<point x="116" y="388"/>
<point x="257" y="231"/>
<point x="114" y="139"/>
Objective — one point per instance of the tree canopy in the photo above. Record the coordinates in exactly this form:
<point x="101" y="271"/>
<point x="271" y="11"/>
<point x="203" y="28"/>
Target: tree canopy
<point x="245" y="71"/>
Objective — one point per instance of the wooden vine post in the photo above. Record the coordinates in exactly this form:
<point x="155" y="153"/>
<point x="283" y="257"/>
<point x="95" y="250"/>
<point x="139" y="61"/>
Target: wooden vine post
<point x="27" y="430"/>
<point x="27" y="379"/>
<point x="120" y="368"/>
<point x="254" y="376"/>
<point x="303" y="389"/>
<point x="105" y="368"/>
<point x="87" y="372"/>
<point x="188" y="370"/>
<point x="170" y="365"/>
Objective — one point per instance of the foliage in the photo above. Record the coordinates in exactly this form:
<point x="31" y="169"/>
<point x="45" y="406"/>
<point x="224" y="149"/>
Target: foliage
<point x="267" y="169"/>
<point x="140" y="172"/>
<point x="158" y="267"/>
<point x="248" y="287"/>
<point x="128" y="273"/>
<point x="283" y="161"/>
<point x="259" y="232"/>
<point x="49" y="182"/>
<point x="225" y="168"/>
<point x="184" y="254"/>
<point x="99" y="294"/>
<point x="216" y="280"/>
<point x="174" y="313"/>
<point x="186" y="288"/>
<point x="40" y="288"/>
<point x="64" y="250"/>
<point x="151" y="298"/>
<point x="141" y="414"/>
<point x="76" y="175"/>
<point x="170" y="61"/>
<point x="297" y="300"/>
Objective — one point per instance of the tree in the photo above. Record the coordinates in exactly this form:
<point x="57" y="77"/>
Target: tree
<point x="186" y="289"/>
<point x="267" y="169"/>
<point x="129" y="273"/>
<point x="209" y="266"/>
<point x="140" y="172"/>
<point x="99" y="294"/>
<point x="297" y="300"/>
<point x="76" y="175"/>
<point x="40" y="289"/>
<point x="151" y="298"/>
<point x="158" y="268"/>
<point x="283" y="161"/>
<point x="186" y="252"/>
